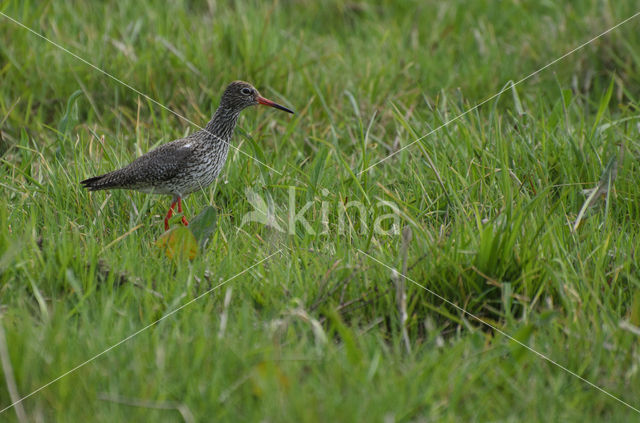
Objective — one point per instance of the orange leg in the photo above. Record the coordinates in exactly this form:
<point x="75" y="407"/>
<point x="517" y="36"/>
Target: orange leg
<point x="177" y="201"/>
<point x="184" y="219"/>
<point x="170" y="213"/>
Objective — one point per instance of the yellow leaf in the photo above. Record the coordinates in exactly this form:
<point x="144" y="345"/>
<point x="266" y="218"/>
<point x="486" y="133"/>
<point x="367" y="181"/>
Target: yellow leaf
<point x="178" y="243"/>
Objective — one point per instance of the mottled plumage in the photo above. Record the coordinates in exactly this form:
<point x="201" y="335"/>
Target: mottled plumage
<point x="186" y="165"/>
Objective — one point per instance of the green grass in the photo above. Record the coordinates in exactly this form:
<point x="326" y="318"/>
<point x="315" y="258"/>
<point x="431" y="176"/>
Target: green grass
<point x="314" y="333"/>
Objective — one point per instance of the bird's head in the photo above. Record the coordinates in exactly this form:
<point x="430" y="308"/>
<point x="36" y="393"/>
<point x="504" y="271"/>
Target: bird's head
<point x="239" y="95"/>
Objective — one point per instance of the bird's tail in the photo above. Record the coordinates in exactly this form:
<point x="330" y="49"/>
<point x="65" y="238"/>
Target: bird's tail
<point x="97" y="183"/>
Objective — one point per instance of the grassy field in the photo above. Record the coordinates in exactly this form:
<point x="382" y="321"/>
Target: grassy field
<point x="481" y="213"/>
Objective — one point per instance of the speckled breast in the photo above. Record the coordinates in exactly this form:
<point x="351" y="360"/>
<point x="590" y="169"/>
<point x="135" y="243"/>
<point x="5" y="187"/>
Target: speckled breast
<point x="200" y="173"/>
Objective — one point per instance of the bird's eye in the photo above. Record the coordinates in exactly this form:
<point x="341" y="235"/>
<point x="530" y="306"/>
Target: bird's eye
<point x="246" y="91"/>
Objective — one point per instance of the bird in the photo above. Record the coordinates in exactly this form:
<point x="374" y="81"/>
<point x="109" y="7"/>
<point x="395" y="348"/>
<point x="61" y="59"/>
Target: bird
<point x="185" y="165"/>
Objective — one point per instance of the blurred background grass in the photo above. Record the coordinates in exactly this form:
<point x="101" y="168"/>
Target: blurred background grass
<point x="314" y="333"/>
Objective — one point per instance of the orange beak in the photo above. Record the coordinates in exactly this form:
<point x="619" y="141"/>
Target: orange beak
<point x="262" y="100"/>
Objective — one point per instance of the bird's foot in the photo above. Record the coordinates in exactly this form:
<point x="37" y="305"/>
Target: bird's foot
<point x="170" y="214"/>
<point x="166" y="220"/>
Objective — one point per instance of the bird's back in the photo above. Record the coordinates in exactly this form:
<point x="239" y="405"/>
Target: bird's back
<point x="154" y="171"/>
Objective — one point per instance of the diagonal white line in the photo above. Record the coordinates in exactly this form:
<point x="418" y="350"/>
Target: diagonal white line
<point x="139" y="331"/>
<point x="134" y="89"/>
<point x="593" y="385"/>
<point x="500" y="92"/>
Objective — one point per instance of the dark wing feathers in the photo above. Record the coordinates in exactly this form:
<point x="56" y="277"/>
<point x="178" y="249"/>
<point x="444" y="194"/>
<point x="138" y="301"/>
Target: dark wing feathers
<point x="152" y="168"/>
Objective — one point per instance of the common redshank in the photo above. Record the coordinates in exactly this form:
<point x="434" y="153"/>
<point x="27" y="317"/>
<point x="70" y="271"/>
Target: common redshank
<point x="188" y="164"/>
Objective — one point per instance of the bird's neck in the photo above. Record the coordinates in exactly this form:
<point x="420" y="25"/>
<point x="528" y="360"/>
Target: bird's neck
<point x="222" y="124"/>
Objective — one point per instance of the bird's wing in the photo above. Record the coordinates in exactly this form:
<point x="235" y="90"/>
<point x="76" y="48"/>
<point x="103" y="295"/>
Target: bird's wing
<point x="156" y="166"/>
<point x="164" y="162"/>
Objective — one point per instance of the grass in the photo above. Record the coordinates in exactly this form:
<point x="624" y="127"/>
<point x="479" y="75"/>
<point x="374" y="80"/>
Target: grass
<point x="314" y="333"/>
